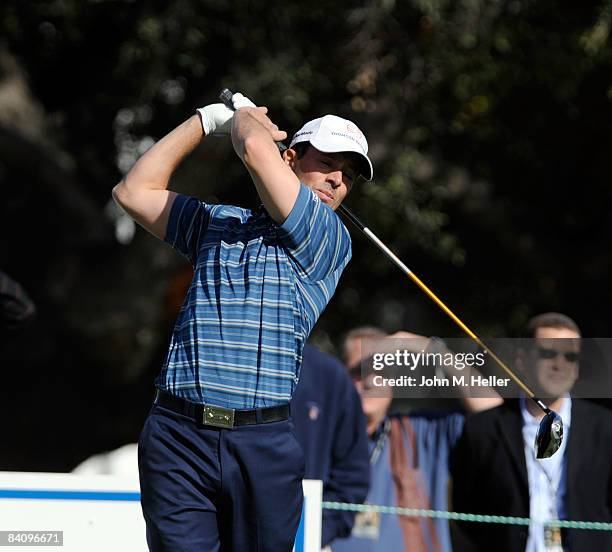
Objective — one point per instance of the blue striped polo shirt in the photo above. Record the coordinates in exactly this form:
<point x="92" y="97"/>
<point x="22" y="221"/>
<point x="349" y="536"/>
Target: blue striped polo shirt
<point x="257" y="291"/>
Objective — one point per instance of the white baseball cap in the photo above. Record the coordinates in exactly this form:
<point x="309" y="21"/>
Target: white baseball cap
<point x="332" y="134"/>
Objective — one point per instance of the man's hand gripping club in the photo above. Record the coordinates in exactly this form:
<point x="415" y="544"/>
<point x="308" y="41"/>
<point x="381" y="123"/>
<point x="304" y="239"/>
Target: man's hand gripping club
<point x="217" y="118"/>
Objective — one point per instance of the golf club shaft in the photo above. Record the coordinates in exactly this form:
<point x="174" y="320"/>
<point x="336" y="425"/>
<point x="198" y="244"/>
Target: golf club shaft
<point x="226" y="97"/>
<point x="373" y="238"/>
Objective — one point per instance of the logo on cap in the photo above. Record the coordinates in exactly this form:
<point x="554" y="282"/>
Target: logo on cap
<point x="354" y="130"/>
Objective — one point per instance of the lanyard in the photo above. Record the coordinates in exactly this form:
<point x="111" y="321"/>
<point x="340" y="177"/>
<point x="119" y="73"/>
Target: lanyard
<point x="380" y="442"/>
<point x="552" y="535"/>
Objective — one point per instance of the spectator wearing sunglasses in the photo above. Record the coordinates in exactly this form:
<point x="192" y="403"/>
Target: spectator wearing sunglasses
<point x="494" y="467"/>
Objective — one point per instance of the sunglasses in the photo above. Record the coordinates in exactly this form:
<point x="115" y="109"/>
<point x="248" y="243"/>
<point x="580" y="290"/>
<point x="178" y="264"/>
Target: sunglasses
<point x="549" y="354"/>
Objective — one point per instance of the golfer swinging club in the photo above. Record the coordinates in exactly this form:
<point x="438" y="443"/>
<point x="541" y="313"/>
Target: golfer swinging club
<point x="220" y="468"/>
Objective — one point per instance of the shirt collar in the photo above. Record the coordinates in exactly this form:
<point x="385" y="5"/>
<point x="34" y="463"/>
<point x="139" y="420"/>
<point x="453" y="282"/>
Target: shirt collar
<point x="565" y="412"/>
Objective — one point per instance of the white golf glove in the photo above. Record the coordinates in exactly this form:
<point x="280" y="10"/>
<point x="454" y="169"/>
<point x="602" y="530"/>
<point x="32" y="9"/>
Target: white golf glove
<point x="217" y="118"/>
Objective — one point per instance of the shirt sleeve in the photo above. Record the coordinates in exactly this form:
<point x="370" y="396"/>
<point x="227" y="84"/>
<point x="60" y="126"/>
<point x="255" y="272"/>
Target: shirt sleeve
<point x="314" y="237"/>
<point x="188" y="221"/>
<point x="454" y="427"/>
<point x="439" y="431"/>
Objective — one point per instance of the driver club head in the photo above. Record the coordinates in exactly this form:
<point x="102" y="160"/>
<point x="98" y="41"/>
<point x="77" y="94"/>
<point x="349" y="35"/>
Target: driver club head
<point x="550" y="435"/>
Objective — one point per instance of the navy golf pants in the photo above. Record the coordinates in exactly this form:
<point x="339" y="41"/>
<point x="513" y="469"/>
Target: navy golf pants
<point x="218" y="490"/>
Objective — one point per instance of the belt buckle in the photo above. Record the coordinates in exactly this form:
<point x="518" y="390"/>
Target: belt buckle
<point x="218" y="416"/>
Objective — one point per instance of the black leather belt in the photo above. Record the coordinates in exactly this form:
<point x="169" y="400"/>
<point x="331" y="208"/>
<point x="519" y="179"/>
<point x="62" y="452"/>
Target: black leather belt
<point x="218" y="416"/>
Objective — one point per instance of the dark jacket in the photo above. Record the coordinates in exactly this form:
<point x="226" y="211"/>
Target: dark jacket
<point x="490" y="477"/>
<point x="331" y="428"/>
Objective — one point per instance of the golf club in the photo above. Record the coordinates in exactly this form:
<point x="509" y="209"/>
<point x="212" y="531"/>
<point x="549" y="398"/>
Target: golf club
<point x="550" y="432"/>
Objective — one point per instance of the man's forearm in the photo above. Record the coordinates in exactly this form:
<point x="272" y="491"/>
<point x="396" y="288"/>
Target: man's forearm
<point x="143" y="193"/>
<point x="253" y="138"/>
<point x="245" y="129"/>
<point x="155" y="167"/>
